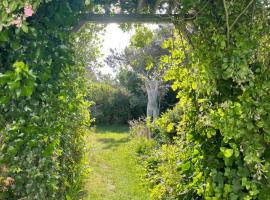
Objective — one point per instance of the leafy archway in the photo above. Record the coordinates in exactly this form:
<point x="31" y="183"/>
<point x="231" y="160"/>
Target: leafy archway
<point x="42" y="105"/>
<point x="224" y="92"/>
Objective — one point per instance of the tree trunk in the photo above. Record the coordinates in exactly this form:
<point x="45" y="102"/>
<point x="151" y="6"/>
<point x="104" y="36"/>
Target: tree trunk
<point x="153" y="94"/>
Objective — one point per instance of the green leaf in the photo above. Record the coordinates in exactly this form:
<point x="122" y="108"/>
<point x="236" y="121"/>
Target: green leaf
<point x="13" y="6"/>
<point x="185" y="166"/>
<point x="4" y="36"/>
<point x="194" y="86"/>
<point x="68" y="197"/>
<point x="25" y="28"/>
<point x="4" y="100"/>
<point x="5" y="3"/>
<point x="28" y="89"/>
<point x="4" y="77"/>
<point x="222" y="44"/>
<point x="228" y="153"/>
<point x="201" y="100"/>
<point x="13" y="85"/>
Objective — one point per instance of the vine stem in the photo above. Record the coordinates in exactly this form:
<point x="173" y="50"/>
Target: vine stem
<point x="227" y="21"/>
<point x="237" y="18"/>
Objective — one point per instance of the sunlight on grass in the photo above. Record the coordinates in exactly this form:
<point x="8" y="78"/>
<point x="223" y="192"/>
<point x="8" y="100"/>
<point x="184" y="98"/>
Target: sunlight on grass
<point x="115" y="174"/>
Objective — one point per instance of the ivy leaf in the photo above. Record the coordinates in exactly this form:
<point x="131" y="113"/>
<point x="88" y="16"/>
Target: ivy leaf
<point x="25" y="28"/>
<point x="228" y="153"/>
<point x="185" y="166"/>
<point x="28" y="89"/>
<point x="4" y="36"/>
<point x="194" y="86"/>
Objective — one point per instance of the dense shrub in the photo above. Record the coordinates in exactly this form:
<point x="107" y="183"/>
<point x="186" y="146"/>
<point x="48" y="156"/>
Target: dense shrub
<point x="42" y="106"/>
<point x="167" y="176"/>
<point x="221" y="73"/>
<point x="132" y="82"/>
<point x="111" y="103"/>
<point x="164" y="128"/>
<point x="167" y="163"/>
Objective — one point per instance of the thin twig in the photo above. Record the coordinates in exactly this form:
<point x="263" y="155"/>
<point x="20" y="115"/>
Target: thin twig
<point x="197" y="13"/>
<point x="227" y="21"/>
<point x="237" y="18"/>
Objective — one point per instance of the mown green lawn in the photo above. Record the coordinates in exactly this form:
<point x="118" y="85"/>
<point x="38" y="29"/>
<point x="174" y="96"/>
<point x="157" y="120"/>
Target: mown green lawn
<point x="115" y="174"/>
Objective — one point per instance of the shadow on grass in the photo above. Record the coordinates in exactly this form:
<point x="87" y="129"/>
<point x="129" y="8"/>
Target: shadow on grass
<point x="112" y="128"/>
<point x="111" y="143"/>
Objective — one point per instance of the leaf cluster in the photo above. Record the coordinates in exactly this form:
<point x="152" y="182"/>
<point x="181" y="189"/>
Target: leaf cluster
<point x="221" y="146"/>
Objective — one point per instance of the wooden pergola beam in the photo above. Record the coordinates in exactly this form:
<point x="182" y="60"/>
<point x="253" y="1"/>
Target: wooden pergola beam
<point x="125" y="18"/>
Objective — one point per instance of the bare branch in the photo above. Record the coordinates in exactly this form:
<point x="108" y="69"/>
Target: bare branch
<point x="237" y="18"/>
<point x="227" y="21"/>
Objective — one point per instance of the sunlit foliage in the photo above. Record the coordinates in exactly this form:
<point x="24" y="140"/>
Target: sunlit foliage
<point x="42" y="106"/>
<point x="221" y="72"/>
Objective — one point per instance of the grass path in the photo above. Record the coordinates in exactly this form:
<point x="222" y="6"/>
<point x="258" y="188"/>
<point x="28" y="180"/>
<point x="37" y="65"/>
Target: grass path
<point x="115" y="174"/>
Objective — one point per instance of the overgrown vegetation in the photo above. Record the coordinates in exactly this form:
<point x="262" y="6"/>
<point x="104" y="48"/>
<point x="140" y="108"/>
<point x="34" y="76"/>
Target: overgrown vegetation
<point x="112" y="103"/>
<point x="214" y="144"/>
<point x="42" y="105"/>
<point x="220" y="68"/>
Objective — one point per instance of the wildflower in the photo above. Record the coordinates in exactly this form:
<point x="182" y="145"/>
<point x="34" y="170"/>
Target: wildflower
<point x="8" y="10"/>
<point x="17" y="22"/>
<point x="28" y="11"/>
<point x="8" y="182"/>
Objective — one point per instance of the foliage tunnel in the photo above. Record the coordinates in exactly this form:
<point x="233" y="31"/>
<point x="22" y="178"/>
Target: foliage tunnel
<point x="220" y="69"/>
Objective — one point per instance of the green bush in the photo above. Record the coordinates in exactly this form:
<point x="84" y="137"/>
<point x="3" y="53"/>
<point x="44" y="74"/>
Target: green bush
<point x="143" y="146"/>
<point x="166" y="175"/>
<point x="111" y="104"/>
<point x="221" y="74"/>
<point x="42" y="102"/>
<point x="165" y="127"/>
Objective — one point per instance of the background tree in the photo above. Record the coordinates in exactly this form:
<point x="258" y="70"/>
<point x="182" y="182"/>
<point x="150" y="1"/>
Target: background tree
<point x="142" y="57"/>
<point x="134" y="85"/>
<point x="111" y="103"/>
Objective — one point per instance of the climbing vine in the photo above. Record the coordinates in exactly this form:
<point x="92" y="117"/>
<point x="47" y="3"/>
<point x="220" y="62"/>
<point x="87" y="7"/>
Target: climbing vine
<point x="42" y="106"/>
<point x="220" y="68"/>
